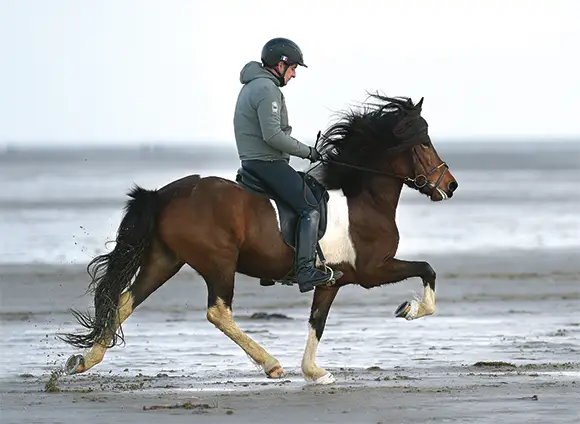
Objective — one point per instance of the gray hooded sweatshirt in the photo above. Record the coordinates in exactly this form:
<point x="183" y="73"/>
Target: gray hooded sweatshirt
<point x="261" y="119"/>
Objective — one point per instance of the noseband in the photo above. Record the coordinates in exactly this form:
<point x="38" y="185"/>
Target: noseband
<point x="419" y="181"/>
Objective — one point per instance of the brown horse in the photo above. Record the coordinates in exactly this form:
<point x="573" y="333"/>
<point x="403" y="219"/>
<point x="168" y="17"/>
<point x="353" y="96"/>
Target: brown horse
<point x="220" y="227"/>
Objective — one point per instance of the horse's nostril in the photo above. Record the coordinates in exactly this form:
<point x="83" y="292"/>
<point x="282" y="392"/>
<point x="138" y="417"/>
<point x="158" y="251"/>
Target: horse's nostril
<point x="452" y="186"/>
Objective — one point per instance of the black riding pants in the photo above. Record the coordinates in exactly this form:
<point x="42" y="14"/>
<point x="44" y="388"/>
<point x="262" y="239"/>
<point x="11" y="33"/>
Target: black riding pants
<point x="285" y="182"/>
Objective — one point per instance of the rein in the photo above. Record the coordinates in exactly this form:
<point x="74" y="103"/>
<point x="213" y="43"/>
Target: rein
<point x="373" y="171"/>
<point x="419" y="181"/>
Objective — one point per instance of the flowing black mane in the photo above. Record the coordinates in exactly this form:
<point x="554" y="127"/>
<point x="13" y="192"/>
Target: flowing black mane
<point x="362" y="137"/>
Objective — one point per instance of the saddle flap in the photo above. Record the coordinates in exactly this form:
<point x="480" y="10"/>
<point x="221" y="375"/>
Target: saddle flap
<point x="287" y="217"/>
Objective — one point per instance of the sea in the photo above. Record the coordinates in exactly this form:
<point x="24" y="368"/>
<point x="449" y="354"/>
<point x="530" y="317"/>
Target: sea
<point x="62" y="205"/>
<point x="506" y="248"/>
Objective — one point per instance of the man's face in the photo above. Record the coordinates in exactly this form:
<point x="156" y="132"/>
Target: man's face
<point x="290" y="73"/>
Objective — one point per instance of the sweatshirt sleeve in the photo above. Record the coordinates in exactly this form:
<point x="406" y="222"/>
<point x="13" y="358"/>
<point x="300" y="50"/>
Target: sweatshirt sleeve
<point x="268" y="107"/>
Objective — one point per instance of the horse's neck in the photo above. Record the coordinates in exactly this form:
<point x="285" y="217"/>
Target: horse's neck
<point x="375" y="221"/>
<point x="376" y="208"/>
<point x="383" y="196"/>
<point x="366" y="216"/>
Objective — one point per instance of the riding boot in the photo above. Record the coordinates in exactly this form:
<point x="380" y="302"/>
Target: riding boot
<point x="307" y="276"/>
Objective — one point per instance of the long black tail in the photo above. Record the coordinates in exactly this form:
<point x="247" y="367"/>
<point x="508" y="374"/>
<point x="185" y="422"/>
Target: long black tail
<point x="113" y="272"/>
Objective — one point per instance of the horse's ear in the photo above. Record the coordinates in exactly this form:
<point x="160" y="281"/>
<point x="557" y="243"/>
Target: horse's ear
<point x="420" y="103"/>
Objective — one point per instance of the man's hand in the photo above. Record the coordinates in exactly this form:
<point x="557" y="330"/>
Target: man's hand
<point x="314" y="155"/>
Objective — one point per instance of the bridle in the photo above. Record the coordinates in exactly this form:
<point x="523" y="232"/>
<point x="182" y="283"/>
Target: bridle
<point x="423" y="177"/>
<point x="419" y="180"/>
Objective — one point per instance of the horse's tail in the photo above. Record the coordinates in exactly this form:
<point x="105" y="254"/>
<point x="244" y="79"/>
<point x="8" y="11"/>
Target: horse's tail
<point x="112" y="273"/>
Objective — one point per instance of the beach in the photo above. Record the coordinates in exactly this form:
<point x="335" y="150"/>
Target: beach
<point x="502" y="346"/>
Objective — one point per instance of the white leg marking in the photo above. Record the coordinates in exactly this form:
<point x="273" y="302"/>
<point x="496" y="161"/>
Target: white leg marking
<point x="422" y="307"/>
<point x="428" y="300"/>
<point x="221" y="316"/>
<point x="97" y="352"/>
<point x="311" y="371"/>
<point x="337" y="245"/>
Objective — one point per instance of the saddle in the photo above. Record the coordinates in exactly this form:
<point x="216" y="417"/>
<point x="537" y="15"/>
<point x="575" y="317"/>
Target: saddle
<point x="287" y="217"/>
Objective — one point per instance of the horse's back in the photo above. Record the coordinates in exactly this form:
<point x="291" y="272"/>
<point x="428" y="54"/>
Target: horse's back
<point x="209" y="219"/>
<point x="179" y="188"/>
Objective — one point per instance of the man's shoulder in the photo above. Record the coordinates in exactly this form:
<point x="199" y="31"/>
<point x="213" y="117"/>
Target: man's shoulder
<point x="263" y="86"/>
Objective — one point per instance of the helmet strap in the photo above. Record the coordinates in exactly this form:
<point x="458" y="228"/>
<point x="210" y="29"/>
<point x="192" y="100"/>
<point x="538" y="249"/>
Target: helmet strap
<point x="281" y="79"/>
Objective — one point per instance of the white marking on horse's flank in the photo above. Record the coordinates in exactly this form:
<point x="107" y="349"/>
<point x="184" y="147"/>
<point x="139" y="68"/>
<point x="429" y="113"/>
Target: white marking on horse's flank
<point x="276" y="213"/>
<point x="337" y="245"/>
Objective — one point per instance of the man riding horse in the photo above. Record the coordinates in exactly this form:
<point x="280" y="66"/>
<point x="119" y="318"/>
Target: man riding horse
<point x="265" y="145"/>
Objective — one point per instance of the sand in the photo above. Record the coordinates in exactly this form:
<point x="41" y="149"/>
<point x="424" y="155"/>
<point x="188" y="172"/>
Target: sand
<point x="482" y="394"/>
<point x="437" y="370"/>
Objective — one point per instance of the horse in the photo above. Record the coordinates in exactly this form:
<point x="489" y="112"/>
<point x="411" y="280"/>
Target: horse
<point x="220" y="227"/>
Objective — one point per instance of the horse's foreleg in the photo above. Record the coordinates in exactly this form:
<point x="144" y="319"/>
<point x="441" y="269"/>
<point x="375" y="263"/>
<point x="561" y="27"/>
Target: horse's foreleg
<point x="323" y="298"/>
<point x="219" y="313"/>
<point x="159" y="268"/>
<point x="396" y="270"/>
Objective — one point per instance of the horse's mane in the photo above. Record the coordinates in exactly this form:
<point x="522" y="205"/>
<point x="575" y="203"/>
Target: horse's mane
<point x="361" y="137"/>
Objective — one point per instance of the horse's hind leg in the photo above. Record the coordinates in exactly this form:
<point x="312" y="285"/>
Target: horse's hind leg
<point x="220" y="285"/>
<point x="159" y="267"/>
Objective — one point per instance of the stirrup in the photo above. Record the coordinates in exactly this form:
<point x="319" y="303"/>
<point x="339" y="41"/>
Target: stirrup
<point x="334" y="275"/>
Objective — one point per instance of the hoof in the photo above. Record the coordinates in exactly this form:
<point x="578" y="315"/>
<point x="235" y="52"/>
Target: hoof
<point x="403" y="310"/>
<point x="75" y="364"/>
<point x="327" y="378"/>
<point x="276" y="372"/>
<point x="407" y="310"/>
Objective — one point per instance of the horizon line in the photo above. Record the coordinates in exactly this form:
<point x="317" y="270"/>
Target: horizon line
<point x="223" y="144"/>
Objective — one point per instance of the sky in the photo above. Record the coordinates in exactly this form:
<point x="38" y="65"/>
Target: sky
<point x="167" y="71"/>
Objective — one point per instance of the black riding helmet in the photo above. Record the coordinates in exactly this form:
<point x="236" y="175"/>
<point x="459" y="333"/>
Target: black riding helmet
<point x="278" y="49"/>
<point x="282" y="49"/>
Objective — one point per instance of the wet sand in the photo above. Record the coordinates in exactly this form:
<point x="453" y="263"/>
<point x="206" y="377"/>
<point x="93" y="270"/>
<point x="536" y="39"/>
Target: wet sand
<point x="503" y="346"/>
<point x="482" y="394"/>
